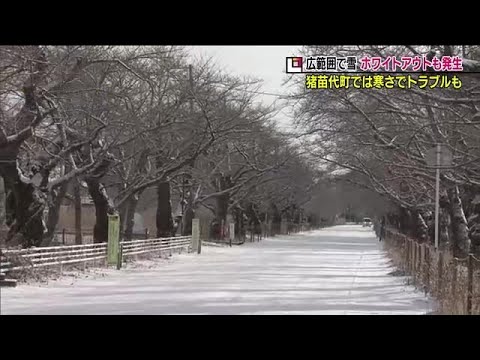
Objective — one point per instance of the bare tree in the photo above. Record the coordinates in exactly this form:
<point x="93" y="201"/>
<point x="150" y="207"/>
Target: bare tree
<point x="384" y="135"/>
<point x="32" y="135"/>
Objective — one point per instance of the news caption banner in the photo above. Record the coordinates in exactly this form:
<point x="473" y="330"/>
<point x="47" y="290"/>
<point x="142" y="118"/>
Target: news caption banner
<point x="344" y="72"/>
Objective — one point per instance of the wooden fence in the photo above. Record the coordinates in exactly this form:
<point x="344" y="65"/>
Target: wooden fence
<point x="66" y="236"/>
<point x="12" y="260"/>
<point x="253" y="233"/>
<point x="453" y="282"/>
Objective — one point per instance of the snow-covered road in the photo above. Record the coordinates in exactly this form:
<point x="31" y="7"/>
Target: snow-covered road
<point x="339" y="270"/>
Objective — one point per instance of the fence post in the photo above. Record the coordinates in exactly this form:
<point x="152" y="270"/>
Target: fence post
<point x="417" y="256"/>
<point x="414" y="262"/>
<point x="421" y="263"/>
<point x="412" y="248"/>
<point x="410" y="257"/>
<point x="63" y="236"/>
<point x="418" y="278"/>
<point x="427" y="269"/>
<point x="222" y="230"/>
<point x="440" y="273"/>
<point x="469" y="284"/>
<point x="196" y="235"/>
<point x="407" y="254"/>
<point x="146" y="233"/>
<point x="454" y="281"/>
<point x="120" y="256"/>
<point x="84" y="262"/>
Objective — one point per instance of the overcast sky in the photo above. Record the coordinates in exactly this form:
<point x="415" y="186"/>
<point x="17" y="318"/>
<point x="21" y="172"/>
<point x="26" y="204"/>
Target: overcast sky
<point x="264" y="62"/>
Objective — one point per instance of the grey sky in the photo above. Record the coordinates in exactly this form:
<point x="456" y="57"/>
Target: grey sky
<point x="263" y="62"/>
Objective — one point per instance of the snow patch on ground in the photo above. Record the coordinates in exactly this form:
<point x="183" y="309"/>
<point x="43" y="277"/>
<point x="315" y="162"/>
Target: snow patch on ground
<point x="340" y="270"/>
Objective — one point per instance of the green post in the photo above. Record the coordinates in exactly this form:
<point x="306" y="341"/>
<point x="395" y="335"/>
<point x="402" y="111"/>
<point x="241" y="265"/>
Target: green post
<point x="113" y="239"/>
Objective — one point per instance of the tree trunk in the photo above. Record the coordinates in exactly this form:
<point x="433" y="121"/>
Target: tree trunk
<point x="77" y="198"/>
<point x="3" y="205"/>
<point x="276" y="218"/>
<point x="187" y="220"/>
<point x="9" y="206"/>
<point x="164" y="211"/>
<point x="189" y="210"/>
<point x="127" y="218"/>
<point x="460" y="240"/>
<point x="222" y="201"/>
<point x="130" y="215"/>
<point x="221" y="208"/>
<point x="3" y="213"/>
<point x="421" y="231"/>
<point x="54" y="213"/>
<point x="99" y="195"/>
<point x="408" y="222"/>
<point x="238" y="223"/>
<point x="26" y="219"/>
<point x="443" y="219"/>
<point x="122" y="210"/>
<point x="223" y="182"/>
<point x="103" y="207"/>
<point x="474" y="224"/>
<point x="254" y="221"/>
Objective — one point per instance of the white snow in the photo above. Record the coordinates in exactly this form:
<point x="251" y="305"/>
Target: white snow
<point x="340" y="270"/>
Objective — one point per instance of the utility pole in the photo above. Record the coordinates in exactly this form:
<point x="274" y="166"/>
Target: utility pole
<point x="190" y="81"/>
<point x="189" y="206"/>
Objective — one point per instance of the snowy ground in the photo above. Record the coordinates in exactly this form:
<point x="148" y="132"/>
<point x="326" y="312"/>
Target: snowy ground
<point x="340" y="270"/>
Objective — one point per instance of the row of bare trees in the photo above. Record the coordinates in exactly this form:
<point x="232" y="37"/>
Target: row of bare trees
<point x="116" y="121"/>
<point x="380" y="137"/>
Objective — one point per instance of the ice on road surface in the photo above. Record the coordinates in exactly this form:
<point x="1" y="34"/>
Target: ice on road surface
<point x="338" y="270"/>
